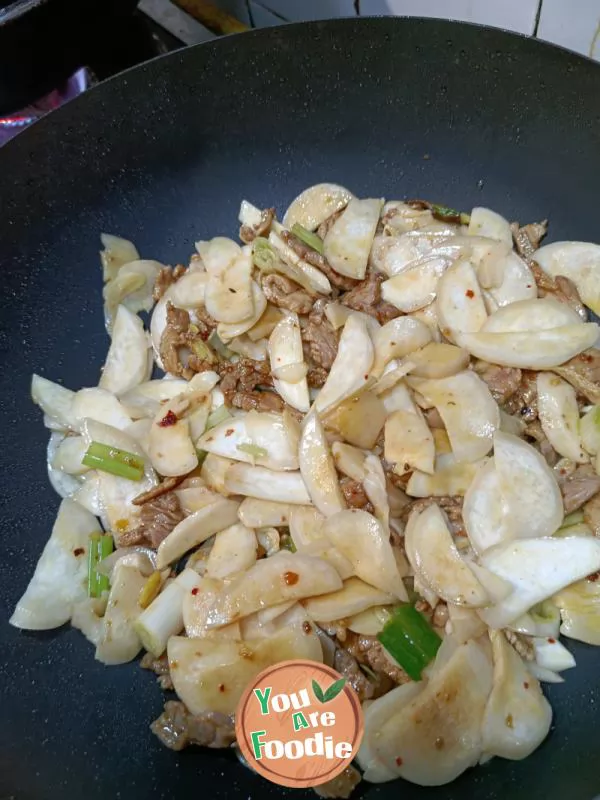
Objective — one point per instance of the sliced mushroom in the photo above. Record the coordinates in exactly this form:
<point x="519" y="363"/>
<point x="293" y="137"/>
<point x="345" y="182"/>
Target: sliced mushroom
<point x="396" y="339"/>
<point x="408" y="442"/>
<point x="285" y="349"/>
<point x="234" y="550"/>
<point x="460" y="304"/>
<point x="579" y="261"/>
<point x="352" y="366"/>
<point x="265" y="484"/>
<point x="531" y="315"/>
<point x="348" y="242"/>
<point x="354" y="596"/>
<point x="485" y="222"/>
<point x="315" y="204"/>
<point x="559" y="415"/>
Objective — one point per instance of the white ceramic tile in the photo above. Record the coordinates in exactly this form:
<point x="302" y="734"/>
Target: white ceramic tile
<point x="262" y="17"/>
<point x="574" y="24"/>
<point x="514" y="15"/>
<point x="299" y="10"/>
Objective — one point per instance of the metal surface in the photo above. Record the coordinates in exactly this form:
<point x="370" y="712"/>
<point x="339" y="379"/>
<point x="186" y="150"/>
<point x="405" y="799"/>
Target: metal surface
<point x="163" y="154"/>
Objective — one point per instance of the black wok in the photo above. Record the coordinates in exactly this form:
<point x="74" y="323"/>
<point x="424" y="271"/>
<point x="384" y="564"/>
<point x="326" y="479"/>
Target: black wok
<point x="163" y="154"/>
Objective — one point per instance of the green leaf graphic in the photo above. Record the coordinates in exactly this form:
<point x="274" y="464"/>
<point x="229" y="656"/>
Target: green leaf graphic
<point x="334" y="690"/>
<point x="318" y="692"/>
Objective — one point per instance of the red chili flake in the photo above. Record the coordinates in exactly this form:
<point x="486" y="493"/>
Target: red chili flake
<point x="204" y="335"/>
<point x="593" y="577"/>
<point x="586" y="358"/>
<point x="173" y="664"/>
<point x="195" y="590"/>
<point x="366" y="377"/>
<point x="399" y="761"/>
<point x="170" y="418"/>
<point x="469" y="293"/>
<point x="229" y="431"/>
<point x="79" y="551"/>
<point x="221" y="687"/>
<point x="526" y="685"/>
<point x="307" y="627"/>
<point x="529" y="286"/>
<point x="290" y="578"/>
<point x="551" y="641"/>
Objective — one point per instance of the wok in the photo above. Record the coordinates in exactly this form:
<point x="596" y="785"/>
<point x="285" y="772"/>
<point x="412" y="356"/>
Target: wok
<point x="163" y="154"/>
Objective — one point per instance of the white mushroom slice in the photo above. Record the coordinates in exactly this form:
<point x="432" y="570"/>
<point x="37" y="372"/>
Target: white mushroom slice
<point x="228" y="296"/>
<point x="259" y="438"/>
<point x="218" y="254"/>
<point x="193" y="498"/>
<point x="234" y="551"/>
<point x="64" y="484"/>
<point x="559" y="415"/>
<point x="349" y="460"/>
<point x="307" y="276"/>
<point x="59" y="581"/>
<point x="249" y="214"/>
<point x="315" y="204"/>
<point x="485" y="222"/>
<point x="265" y="484"/>
<point x="579" y="261"/>
<point x="352" y="366"/>
<point x="354" y="596"/>
<point x="429" y="742"/>
<point x="195" y="529"/>
<point x="551" y="654"/>
<point x="126" y="364"/>
<point x="337" y="314"/>
<point x="68" y="455"/>
<point x="292" y="373"/>
<point x="528" y="487"/>
<point x="468" y="410"/>
<point x="408" y="442"/>
<point x="358" y="419"/>
<point x="517" y="281"/>
<point x="317" y="468"/>
<point x="196" y="608"/>
<point x="158" y="324"/>
<point x="285" y="348"/>
<point x="429" y="316"/>
<point x="244" y="346"/>
<point x="460" y="304"/>
<point x="348" y="241"/>
<point x="54" y="400"/>
<point x="415" y="286"/>
<point x="517" y="716"/>
<point x="450" y="477"/>
<point x="531" y="349"/>
<point x="437" y="562"/>
<point x="396" y="339"/>
<point x="485" y="512"/>
<point x="213" y="471"/>
<point x="306" y="531"/>
<point x="189" y="290"/>
<point x="579" y="606"/>
<point x="212" y="673"/>
<point x="88" y="494"/>
<point x="119" y="642"/>
<point x="366" y="544"/>
<point x="266" y="324"/>
<point x="371" y="621"/>
<point x="132" y="287"/>
<point x="227" y="331"/>
<point x="145" y="400"/>
<point x="264" y="513"/>
<point x="116" y="253"/>
<point x="540" y="314"/>
<point x="283" y="576"/>
<point x="375" y="487"/>
<point x="170" y="445"/>
<point x="437" y="360"/>
<point x="537" y="569"/>
<point x="396" y="254"/>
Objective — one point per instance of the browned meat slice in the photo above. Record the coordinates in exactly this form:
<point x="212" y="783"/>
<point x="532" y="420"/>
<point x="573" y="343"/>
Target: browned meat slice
<point x="177" y="727"/>
<point x="160" y="666"/>
<point x="560" y="288"/>
<point x="366" y="297"/>
<point x="314" y="258"/>
<point x="355" y="494"/>
<point x="578" y="486"/>
<point x="165" y="278"/>
<point x="319" y="337"/>
<point x="536" y="432"/>
<point x="246" y="384"/>
<point x="179" y="333"/>
<point x="158" y="517"/>
<point x="528" y="238"/>
<point x="368" y="650"/>
<point x="451" y="505"/>
<point x="502" y="382"/>
<point x="591" y="514"/>
<point x="316" y="376"/>
<point x="164" y="487"/>
<point x="440" y="615"/>
<point x="249" y="233"/>
<point x="342" y="786"/>
<point x="365" y="687"/>
<point x="328" y="224"/>
<point x="583" y="373"/>
<point x="523" y="402"/>
<point x="285" y="293"/>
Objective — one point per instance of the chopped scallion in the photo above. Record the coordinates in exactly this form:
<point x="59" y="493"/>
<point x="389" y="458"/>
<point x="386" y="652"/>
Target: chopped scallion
<point x="100" y="547"/>
<point x="112" y="459"/>
<point x="218" y="416"/>
<point x="287" y="543"/>
<point x="201" y="456"/>
<point x="445" y="214"/>
<point x="263" y="255"/>
<point x="308" y="237"/>
<point x="410" y="640"/>
<point x="253" y="450"/>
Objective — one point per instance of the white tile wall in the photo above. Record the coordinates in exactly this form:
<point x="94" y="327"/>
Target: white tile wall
<point x="574" y="24"/>
<point x="515" y="15"/>
<point x="299" y="10"/>
<point x="262" y="17"/>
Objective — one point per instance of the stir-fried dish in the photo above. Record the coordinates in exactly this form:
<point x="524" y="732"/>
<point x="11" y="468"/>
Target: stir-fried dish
<point x="374" y="442"/>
